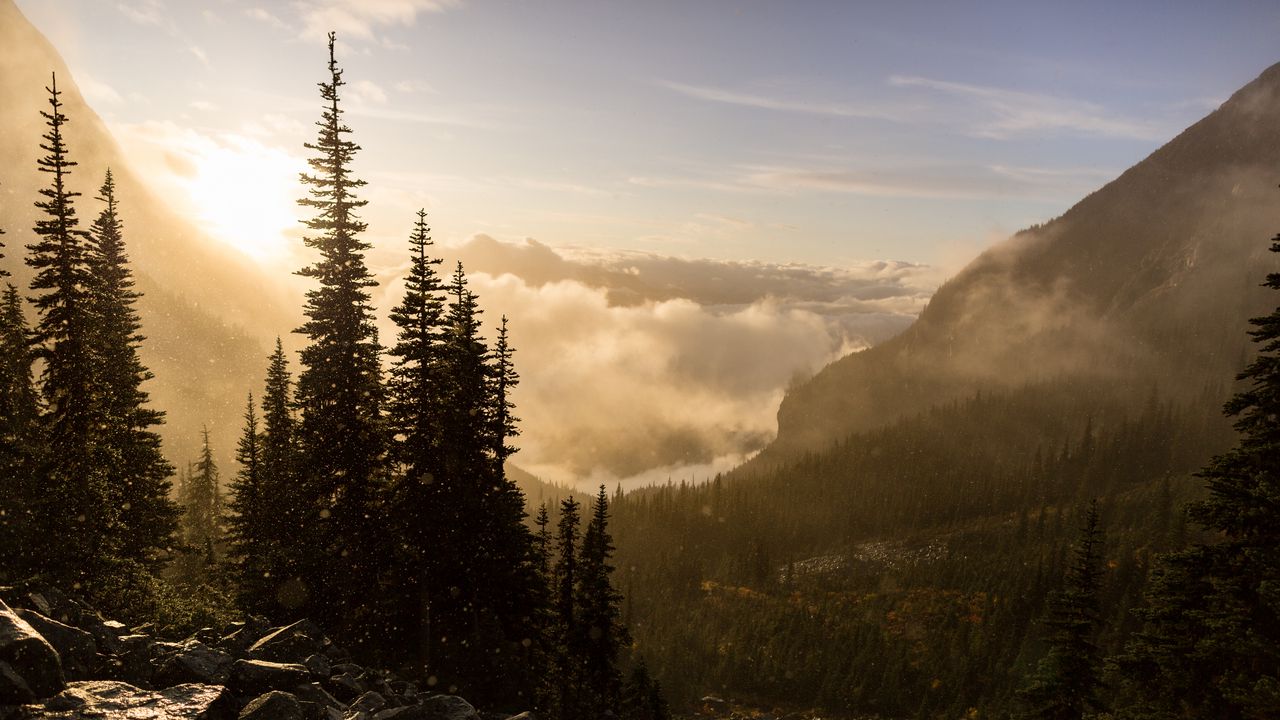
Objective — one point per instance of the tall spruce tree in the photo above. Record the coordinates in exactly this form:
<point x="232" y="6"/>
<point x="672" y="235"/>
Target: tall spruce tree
<point x="503" y="380"/>
<point x="422" y="503"/>
<point x="567" y="650"/>
<point x="282" y="501"/>
<point x="75" y="513"/>
<point x="1067" y="683"/>
<point x="601" y="633"/>
<point x="138" y="474"/>
<point x="339" y="392"/>
<point x="202" y="521"/>
<point x="19" y="440"/>
<point x="1210" y="647"/>
<point x="250" y="530"/>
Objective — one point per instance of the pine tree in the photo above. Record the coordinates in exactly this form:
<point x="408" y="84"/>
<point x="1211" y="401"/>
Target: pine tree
<point x="19" y="440"/>
<point x="503" y="379"/>
<point x="203" y="518"/>
<point x="642" y="696"/>
<point x="138" y="474"/>
<point x="599" y="616"/>
<point x="75" y="514"/>
<point x="567" y="649"/>
<point x="1211" y="643"/>
<point x="1068" y="680"/>
<point x="282" y="501"/>
<point x="250" y="529"/>
<point x="339" y="391"/>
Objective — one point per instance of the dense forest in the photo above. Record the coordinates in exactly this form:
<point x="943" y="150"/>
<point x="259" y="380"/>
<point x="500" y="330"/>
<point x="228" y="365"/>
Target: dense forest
<point x="1021" y="552"/>
<point x="374" y="503"/>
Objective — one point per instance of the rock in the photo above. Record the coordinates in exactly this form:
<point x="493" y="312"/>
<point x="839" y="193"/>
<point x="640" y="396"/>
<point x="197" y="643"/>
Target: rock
<point x="436" y="707"/>
<point x="253" y="677"/>
<point x="195" y="663"/>
<point x="370" y="702"/>
<point x="30" y="656"/>
<point x="111" y="700"/>
<point x="290" y="643"/>
<point x="345" y="687"/>
<point x="349" y="668"/>
<point x="315" y="694"/>
<point x="526" y="715"/>
<point x="13" y="689"/>
<point x="319" y="666"/>
<point x="75" y="647"/>
<point x="274" y="705"/>
<point x="107" y="634"/>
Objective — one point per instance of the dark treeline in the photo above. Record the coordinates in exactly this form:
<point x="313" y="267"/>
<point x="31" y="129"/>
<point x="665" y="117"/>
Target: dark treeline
<point x="374" y="503"/>
<point x="950" y="565"/>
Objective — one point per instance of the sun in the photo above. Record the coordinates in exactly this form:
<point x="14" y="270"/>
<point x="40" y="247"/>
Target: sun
<point x="240" y="190"/>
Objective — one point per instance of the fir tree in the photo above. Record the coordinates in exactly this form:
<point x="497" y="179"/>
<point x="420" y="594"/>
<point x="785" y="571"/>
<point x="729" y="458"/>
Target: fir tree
<point x="503" y="379"/>
<point x="599" y="626"/>
<point x="282" y="501"/>
<point x="19" y="439"/>
<point x="1067" y="683"/>
<point x="203" y="517"/>
<point x="567" y="649"/>
<point x="250" y="530"/>
<point x="74" y="516"/>
<point x="1211" y="644"/>
<point x="339" y="391"/>
<point x="642" y="696"/>
<point x="138" y="473"/>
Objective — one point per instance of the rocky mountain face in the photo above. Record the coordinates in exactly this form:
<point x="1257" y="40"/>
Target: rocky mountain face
<point x="61" y="659"/>
<point x="208" y="315"/>
<point x="1149" y="280"/>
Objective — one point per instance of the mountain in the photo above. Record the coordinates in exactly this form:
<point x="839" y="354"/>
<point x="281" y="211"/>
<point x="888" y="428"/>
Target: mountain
<point x="1146" y="282"/>
<point x="208" y="314"/>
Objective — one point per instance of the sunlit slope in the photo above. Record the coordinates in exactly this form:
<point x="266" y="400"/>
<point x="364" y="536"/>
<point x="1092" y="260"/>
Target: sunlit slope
<point x="1148" y="280"/>
<point x="207" y="314"/>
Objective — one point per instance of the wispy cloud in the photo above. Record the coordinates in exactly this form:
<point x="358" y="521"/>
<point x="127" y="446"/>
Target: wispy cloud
<point x="732" y="97"/>
<point x="361" y="18"/>
<point x="1005" y="113"/>
<point x="143" y="12"/>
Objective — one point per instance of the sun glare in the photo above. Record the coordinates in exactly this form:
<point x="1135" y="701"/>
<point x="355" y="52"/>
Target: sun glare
<point x="239" y="190"/>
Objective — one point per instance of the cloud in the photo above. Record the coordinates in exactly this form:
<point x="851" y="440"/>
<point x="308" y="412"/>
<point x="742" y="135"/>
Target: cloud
<point x="360" y="18"/>
<point x="200" y="54"/>
<point x="97" y="92"/>
<point x="266" y="16"/>
<point x="1009" y="112"/>
<point x="143" y="12"/>
<point x="638" y="366"/>
<point x="732" y="97"/>
<point x="367" y="92"/>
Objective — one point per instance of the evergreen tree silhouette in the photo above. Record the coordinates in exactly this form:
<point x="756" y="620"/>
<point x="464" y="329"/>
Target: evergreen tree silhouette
<point x="137" y="472"/>
<point x="339" y="391"/>
<point x="20" y="440"/>
<point x="75" y="513"/>
<point x="601" y="634"/>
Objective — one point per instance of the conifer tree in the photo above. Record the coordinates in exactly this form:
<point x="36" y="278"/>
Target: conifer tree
<point x="203" y="518"/>
<point x="75" y="514"/>
<point x="19" y="439"/>
<point x="339" y="391"/>
<point x="282" y="501"/>
<point x="567" y="650"/>
<point x="599" y="616"/>
<point x="642" y="696"/>
<point x="503" y="379"/>
<point x="250" y="529"/>
<point x="138" y="474"/>
<point x="1067" y="683"/>
<point x="1211" y="643"/>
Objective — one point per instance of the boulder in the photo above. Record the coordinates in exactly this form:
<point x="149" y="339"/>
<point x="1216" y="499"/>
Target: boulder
<point x="111" y="700"/>
<point x="13" y="689"/>
<point x="319" y="666"/>
<point x="274" y="705"/>
<point x="250" y="678"/>
<point x="194" y="663"/>
<point x="370" y="702"/>
<point x="316" y="695"/>
<point x="436" y="707"/>
<point x="29" y="655"/>
<point x="107" y="634"/>
<point x="75" y="647"/>
<point x="290" y="643"/>
<point x="346" y="687"/>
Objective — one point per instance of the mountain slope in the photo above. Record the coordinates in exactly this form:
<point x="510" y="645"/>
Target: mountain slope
<point x="1149" y="279"/>
<point x="207" y="313"/>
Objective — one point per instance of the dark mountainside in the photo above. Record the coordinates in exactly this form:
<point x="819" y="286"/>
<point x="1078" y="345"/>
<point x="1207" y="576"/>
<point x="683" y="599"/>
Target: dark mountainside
<point x="1150" y="277"/>
<point x="209" y="316"/>
<point x="893" y="552"/>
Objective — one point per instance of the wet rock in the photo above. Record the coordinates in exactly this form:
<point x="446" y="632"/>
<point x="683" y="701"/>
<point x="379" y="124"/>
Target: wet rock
<point x="436" y="707"/>
<point x="319" y="666"/>
<point x="29" y="655"/>
<point x="275" y="705"/>
<point x="316" y="695"/>
<point x="111" y="700"/>
<point x="346" y="687"/>
<point x="75" y="647"/>
<point x="13" y="689"/>
<point x="370" y="702"/>
<point x="290" y="643"/>
<point x="194" y="663"/>
<point x="253" y="677"/>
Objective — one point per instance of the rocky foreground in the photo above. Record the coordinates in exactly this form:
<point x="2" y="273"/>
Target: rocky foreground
<point x="61" y="659"/>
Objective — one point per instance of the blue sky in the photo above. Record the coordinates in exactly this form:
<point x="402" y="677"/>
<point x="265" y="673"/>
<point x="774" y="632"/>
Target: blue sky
<point x="816" y="132"/>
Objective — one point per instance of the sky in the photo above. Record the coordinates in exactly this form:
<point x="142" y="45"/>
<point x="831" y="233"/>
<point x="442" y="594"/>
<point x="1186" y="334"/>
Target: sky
<point x="683" y="205"/>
